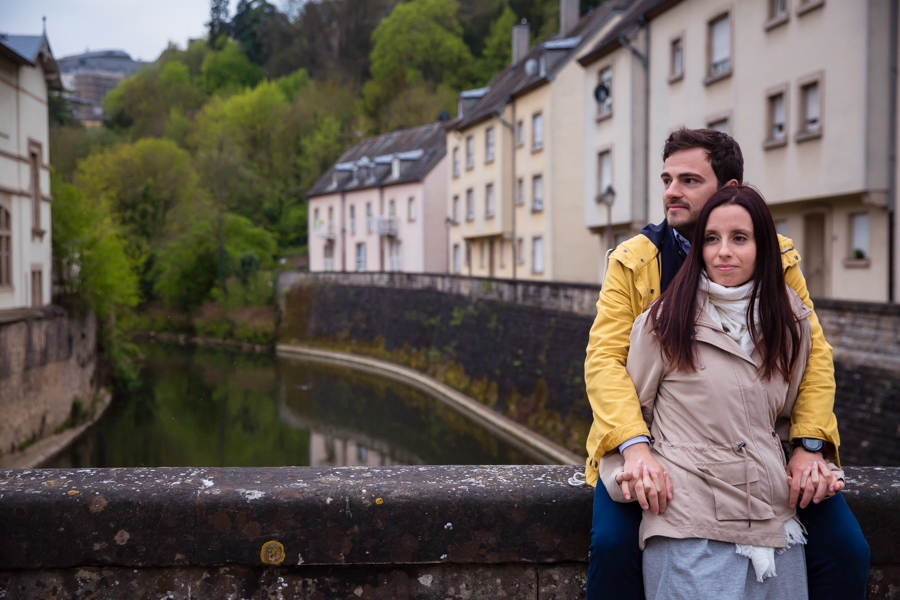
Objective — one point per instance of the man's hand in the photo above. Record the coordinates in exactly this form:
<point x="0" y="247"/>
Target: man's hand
<point x="644" y="479"/>
<point x="810" y="478"/>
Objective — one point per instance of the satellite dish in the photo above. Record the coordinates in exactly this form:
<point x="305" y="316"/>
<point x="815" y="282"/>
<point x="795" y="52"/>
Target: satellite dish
<point x="601" y="93"/>
<point x="530" y="66"/>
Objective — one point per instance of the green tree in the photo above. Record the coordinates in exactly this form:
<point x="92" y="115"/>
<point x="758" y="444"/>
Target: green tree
<point x="218" y="21"/>
<point x="187" y="267"/>
<point x="229" y="71"/>
<point x="497" y="46"/>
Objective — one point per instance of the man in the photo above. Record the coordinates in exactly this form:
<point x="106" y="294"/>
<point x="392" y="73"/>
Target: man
<point x="697" y="163"/>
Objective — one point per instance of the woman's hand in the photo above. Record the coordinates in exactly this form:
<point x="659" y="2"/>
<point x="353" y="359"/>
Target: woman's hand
<point x="815" y="483"/>
<point x="644" y="479"/>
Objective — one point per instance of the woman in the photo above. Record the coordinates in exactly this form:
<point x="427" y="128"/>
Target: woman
<point x="717" y="363"/>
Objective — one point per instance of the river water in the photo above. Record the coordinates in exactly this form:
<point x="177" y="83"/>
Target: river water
<point x="214" y="408"/>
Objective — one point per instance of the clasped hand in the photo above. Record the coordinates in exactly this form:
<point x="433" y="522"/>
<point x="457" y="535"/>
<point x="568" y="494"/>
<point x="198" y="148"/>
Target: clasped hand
<point x="644" y="479"/>
<point x="810" y="478"/>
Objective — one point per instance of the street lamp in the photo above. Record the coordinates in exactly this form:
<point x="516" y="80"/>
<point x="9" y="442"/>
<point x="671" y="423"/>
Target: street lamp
<point x="608" y="197"/>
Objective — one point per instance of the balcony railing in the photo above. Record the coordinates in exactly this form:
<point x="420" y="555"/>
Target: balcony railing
<point x="387" y="226"/>
<point x="325" y="233"/>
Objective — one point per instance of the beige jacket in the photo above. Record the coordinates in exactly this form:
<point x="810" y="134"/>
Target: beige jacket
<point x="715" y="431"/>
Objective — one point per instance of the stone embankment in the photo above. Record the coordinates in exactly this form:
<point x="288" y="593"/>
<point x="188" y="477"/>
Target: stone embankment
<point x="314" y="533"/>
<point x="518" y="347"/>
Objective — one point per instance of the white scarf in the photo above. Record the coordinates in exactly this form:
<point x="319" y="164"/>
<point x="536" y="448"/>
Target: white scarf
<point x="727" y="306"/>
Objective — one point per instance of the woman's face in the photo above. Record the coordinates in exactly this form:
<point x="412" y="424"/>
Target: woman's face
<point x="729" y="248"/>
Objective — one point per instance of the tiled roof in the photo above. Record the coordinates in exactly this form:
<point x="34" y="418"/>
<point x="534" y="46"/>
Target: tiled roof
<point x="28" y="50"/>
<point x="539" y="65"/>
<point x="636" y="10"/>
<point x="368" y="163"/>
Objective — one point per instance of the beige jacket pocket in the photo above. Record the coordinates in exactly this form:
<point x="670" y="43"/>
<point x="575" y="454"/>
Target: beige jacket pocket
<point x="728" y="481"/>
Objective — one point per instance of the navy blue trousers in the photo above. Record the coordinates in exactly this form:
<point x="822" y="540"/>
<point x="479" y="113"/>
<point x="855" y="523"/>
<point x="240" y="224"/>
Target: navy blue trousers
<point x="837" y="554"/>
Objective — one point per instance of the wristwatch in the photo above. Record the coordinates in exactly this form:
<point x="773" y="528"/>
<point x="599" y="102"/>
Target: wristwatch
<point x="809" y="444"/>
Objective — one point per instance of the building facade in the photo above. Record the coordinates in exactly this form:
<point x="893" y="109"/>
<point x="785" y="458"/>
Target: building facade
<point x="381" y="207"/>
<point x="803" y="85"/>
<point x="28" y="72"/>
<point x="516" y="168"/>
<point x="90" y="76"/>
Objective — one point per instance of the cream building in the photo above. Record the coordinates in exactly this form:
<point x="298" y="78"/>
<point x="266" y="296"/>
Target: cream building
<point x="803" y="85"/>
<point x="381" y="206"/>
<point x="516" y="168"/>
<point x="28" y="72"/>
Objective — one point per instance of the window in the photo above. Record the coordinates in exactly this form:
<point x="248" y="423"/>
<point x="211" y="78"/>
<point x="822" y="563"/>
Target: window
<point x="777" y="120"/>
<point x="37" y="287"/>
<point x="5" y="247"/>
<point x="502" y="254"/>
<point x="810" y="111"/>
<point x="537" y="259"/>
<point x="520" y="251"/>
<point x="352" y="220"/>
<point x="604" y="107"/>
<point x="520" y="133"/>
<point x="396" y="256"/>
<point x="360" y="257"/>
<point x="470" y="205"/>
<point x="455" y="209"/>
<point x="330" y="220"/>
<point x="456" y="161"/>
<point x="537" y="193"/>
<point x="468" y="254"/>
<point x="316" y="222"/>
<point x="411" y="209"/>
<point x="329" y="256"/>
<point x="778" y="11"/>
<point x="859" y="236"/>
<point x="370" y="225"/>
<point x="489" y="200"/>
<point x="604" y="172"/>
<point x="537" y="131"/>
<point x="520" y="191"/>
<point x="719" y="48"/>
<point x="489" y="145"/>
<point x="456" y="268"/>
<point x="395" y="168"/>
<point x="470" y="152"/>
<point x="36" y="189"/>
<point x="719" y="125"/>
<point x="676" y="59"/>
<point x="481" y="254"/>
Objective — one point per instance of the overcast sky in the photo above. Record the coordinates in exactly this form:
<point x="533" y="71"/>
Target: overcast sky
<point x="142" y="28"/>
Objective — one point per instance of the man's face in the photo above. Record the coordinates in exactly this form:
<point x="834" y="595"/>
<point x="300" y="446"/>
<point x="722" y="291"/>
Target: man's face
<point x="688" y="182"/>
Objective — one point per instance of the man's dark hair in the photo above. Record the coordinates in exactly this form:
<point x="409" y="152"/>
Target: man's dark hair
<point x="724" y="153"/>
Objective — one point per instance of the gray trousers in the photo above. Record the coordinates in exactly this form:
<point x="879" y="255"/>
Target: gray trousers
<point x="701" y="569"/>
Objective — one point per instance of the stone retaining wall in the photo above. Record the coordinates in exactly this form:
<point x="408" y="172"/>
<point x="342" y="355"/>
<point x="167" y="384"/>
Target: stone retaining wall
<point x="47" y="360"/>
<point x="519" y="346"/>
<point x="313" y="533"/>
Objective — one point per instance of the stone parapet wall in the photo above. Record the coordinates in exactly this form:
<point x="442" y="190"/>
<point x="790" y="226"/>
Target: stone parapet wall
<point x="47" y="360"/>
<point x="316" y="533"/>
<point x="862" y="333"/>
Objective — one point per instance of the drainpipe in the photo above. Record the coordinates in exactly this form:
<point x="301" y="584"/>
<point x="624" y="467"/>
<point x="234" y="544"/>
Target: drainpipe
<point x="377" y="232"/>
<point x="512" y="129"/>
<point x="644" y="58"/>
<point x="892" y="152"/>
<point x="343" y="234"/>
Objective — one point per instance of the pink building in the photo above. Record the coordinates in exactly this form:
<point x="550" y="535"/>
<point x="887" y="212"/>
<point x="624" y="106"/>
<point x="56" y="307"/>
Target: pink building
<point x="382" y="206"/>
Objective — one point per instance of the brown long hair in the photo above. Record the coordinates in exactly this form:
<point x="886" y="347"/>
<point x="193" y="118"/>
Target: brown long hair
<point x="777" y="334"/>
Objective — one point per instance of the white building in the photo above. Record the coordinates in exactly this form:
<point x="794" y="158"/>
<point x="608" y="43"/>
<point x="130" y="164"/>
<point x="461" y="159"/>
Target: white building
<point x="381" y="207"/>
<point x="27" y="72"/>
<point x="804" y="86"/>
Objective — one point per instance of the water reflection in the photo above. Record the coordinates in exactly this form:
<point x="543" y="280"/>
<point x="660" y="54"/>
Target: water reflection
<point x="205" y="407"/>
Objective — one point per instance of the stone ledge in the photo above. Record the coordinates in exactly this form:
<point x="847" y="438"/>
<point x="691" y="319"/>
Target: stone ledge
<point x="56" y="518"/>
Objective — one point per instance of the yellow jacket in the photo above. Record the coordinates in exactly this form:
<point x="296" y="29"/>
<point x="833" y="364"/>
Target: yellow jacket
<point x="631" y="284"/>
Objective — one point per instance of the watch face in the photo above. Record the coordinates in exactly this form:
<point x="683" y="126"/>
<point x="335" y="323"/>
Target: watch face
<point x="812" y="445"/>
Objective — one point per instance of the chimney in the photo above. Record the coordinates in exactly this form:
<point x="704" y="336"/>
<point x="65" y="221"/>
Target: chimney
<point x="569" y="13"/>
<point x="521" y="34"/>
